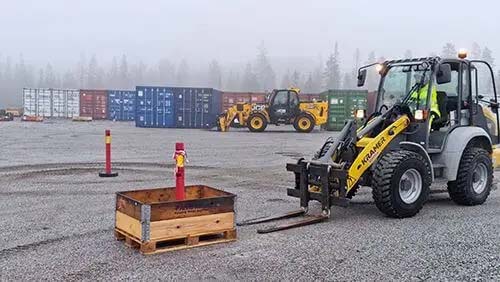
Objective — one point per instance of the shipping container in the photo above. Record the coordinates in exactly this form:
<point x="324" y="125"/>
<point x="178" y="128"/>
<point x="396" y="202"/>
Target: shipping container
<point x="121" y="105"/>
<point x="231" y="98"/>
<point x="45" y="102"/>
<point x="371" y="101"/>
<point x="342" y="105"/>
<point x="304" y="97"/>
<point x="154" y="107"/>
<point x="93" y="103"/>
<point x="197" y="107"/>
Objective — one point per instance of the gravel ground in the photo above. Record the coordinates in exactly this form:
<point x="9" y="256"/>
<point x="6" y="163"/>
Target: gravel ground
<point x="57" y="215"/>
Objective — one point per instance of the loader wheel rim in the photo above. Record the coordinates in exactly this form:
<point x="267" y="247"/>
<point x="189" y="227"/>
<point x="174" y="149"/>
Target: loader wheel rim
<point x="304" y="123"/>
<point x="410" y="186"/>
<point x="480" y="178"/>
<point x="256" y="122"/>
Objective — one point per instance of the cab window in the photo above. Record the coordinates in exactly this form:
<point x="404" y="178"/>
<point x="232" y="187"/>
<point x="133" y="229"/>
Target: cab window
<point x="281" y="98"/>
<point x="294" y="100"/>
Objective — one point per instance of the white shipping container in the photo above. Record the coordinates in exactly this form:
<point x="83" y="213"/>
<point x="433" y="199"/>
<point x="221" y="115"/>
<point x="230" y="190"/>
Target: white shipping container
<point x="43" y="101"/>
<point x="29" y="101"/>
<point x="63" y="103"/>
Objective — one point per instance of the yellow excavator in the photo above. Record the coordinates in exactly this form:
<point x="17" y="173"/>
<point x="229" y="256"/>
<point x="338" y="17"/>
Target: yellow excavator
<point x="283" y="107"/>
<point x="401" y="149"/>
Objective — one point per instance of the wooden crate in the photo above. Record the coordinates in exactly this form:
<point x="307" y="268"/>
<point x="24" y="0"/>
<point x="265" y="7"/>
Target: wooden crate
<point x="153" y="221"/>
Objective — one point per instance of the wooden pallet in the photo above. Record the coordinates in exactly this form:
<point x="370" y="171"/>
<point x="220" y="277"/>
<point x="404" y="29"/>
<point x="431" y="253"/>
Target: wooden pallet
<point x="174" y="244"/>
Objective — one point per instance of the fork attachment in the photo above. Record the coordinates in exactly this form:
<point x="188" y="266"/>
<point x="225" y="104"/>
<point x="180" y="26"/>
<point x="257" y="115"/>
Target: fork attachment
<point x="271" y="218"/>
<point x="330" y="184"/>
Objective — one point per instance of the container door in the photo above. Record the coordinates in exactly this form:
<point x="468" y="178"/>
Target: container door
<point x="150" y="112"/>
<point x="128" y="105"/>
<point x="169" y="113"/>
<point x="184" y="104"/>
<point x="74" y="103"/>
<point x="160" y="108"/>
<point x="100" y="106"/>
<point x="44" y="102"/>
<point x="144" y="116"/>
<point x="29" y="101"/>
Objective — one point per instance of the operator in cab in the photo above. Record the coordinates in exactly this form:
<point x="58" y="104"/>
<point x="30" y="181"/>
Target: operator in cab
<point x="419" y="96"/>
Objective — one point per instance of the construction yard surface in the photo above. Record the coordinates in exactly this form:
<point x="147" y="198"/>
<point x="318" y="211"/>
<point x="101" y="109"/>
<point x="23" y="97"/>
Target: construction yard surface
<point x="57" y="215"/>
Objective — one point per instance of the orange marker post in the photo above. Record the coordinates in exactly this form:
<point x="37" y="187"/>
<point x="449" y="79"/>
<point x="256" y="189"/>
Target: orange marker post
<point x="180" y="159"/>
<point x="107" y="172"/>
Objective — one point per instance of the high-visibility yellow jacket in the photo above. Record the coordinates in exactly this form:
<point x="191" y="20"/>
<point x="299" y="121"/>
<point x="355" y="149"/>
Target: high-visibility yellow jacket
<point x="422" y="95"/>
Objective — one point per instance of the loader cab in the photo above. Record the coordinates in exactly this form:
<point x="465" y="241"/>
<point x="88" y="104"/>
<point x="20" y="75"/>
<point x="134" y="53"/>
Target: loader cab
<point x="468" y="99"/>
<point x="283" y="105"/>
<point x="442" y="94"/>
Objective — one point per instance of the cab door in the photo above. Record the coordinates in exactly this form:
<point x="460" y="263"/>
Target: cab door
<point x="484" y="99"/>
<point x="280" y="106"/>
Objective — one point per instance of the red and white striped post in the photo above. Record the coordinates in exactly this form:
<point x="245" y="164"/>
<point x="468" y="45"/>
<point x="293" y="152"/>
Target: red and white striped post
<point x="107" y="172"/>
<point x="180" y="160"/>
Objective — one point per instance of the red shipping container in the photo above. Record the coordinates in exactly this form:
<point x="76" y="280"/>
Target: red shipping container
<point x="93" y="103"/>
<point x="231" y="98"/>
<point x="309" y="97"/>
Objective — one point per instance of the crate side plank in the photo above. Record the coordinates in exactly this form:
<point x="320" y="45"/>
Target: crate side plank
<point x="128" y="224"/>
<point x="128" y="206"/>
<point x="183" y="227"/>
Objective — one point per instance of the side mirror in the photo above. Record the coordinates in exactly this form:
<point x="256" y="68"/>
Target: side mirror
<point x="361" y="78"/>
<point x="444" y="74"/>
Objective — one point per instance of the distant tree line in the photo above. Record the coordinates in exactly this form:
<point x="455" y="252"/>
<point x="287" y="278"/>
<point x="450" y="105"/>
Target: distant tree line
<point x="257" y="74"/>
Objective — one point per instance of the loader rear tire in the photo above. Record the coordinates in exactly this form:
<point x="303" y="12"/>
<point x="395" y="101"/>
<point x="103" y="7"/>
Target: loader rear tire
<point x="401" y="183"/>
<point x="474" y="178"/>
<point x="303" y="123"/>
<point x="257" y="123"/>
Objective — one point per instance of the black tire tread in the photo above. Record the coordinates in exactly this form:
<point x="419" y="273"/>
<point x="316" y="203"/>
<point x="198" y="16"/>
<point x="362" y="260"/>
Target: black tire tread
<point x="382" y="177"/>
<point x="458" y="189"/>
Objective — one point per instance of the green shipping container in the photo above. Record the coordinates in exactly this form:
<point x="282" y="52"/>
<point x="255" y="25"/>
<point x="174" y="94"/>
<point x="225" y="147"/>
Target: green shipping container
<point x="341" y="106"/>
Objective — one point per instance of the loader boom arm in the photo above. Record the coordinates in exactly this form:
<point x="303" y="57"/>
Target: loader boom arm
<point x="374" y="146"/>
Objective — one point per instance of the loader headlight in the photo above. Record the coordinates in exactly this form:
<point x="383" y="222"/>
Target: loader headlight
<point x="379" y="68"/>
<point x="360" y="114"/>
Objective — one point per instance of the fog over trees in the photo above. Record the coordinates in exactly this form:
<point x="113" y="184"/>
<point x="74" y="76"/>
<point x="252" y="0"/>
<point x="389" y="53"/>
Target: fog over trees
<point x="258" y="74"/>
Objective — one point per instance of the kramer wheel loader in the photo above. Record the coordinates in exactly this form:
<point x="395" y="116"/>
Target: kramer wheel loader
<point x="283" y="107"/>
<point x="431" y="123"/>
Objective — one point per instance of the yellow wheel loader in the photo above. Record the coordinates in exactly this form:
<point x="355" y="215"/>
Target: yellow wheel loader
<point x="447" y="131"/>
<point x="283" y="107"/>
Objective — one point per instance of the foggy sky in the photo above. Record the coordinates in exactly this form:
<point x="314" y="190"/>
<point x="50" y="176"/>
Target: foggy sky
<point x="230" y="30"/>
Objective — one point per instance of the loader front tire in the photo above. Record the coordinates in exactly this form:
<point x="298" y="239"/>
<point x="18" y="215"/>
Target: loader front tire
<point x="474" y="178"/>
<point x="257" y="123"/>
<point x="401" y="183"/>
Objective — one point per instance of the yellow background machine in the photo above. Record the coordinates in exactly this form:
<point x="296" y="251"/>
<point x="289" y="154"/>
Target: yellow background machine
<point x="283" y="107"/>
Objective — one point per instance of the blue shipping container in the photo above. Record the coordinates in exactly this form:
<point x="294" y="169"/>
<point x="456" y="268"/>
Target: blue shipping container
<point x="197" y="107"/>
<point x="154" y="107"/>
<point x="121" y="105"/>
